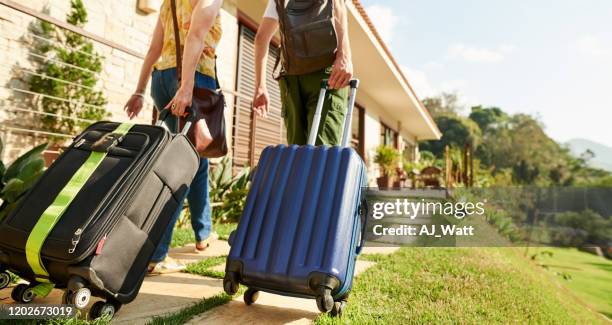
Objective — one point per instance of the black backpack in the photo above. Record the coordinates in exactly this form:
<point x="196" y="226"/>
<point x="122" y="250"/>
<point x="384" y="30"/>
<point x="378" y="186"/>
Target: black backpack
<point x="308" y="35"/>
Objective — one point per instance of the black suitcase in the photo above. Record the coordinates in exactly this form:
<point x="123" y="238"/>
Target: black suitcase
<point x="105" y="237"/>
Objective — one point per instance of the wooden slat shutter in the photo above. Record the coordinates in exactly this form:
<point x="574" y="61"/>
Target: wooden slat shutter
<point x="252" y="135"/>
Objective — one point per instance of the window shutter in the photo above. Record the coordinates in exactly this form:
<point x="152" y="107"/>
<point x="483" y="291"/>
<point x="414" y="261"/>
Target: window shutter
<point x="252" y="135"/>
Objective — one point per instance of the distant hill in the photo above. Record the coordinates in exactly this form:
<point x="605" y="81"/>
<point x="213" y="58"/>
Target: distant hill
<point x="603" y="153"/>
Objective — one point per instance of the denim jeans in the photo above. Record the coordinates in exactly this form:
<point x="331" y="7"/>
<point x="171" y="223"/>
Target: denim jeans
<point x="163" y="88"/>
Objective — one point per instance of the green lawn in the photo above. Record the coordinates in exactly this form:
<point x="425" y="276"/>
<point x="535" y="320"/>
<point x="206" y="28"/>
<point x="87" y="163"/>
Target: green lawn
<point x="184" y="236"/>
<point x="590" y="276"/>
<point x="459" y="286"/>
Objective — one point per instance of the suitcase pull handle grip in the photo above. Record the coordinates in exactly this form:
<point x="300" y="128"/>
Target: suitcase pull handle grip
<point x="363" y="217"/>
<point x="346" y="134"/>
<point x="164" y="113"/>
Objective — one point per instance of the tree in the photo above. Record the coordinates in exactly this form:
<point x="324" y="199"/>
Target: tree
<point x="487" y="117"/>
<point x="445" y="103"/>
<point x="524" y="173"/>
<point x="69" y="77"/>
<point x="456" y="131"/>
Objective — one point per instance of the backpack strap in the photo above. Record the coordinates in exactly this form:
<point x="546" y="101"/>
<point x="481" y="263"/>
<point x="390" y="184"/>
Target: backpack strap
<point x="177" y="41"/>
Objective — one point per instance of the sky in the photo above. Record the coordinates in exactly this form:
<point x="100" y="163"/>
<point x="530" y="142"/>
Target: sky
<point x="549" y="58"/>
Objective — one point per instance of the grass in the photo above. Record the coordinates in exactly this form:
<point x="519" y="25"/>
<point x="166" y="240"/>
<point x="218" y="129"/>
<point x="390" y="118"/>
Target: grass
<point x="184" y="236"/>
<point x="459" y="286"/>
<point x="204" y="267"/>
<point x="590" y="276"/>
<point x="224" y="229"/>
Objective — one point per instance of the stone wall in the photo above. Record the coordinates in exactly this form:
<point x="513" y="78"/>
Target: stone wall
<point x="119" y="21"/>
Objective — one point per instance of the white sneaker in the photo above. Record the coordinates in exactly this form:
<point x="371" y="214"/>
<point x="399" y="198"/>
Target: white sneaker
<point x="168" y="265"/>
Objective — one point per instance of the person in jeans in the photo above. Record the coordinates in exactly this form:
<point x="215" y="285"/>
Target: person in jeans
<point x="299" y="93"/>
<point x="200" y="31"/>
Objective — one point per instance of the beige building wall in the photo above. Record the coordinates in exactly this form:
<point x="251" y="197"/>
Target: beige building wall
<point x="119" y="21"/>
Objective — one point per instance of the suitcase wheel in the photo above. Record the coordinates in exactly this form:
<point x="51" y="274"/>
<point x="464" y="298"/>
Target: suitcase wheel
<point x="102" y="309"/>
<point x="23" y="293"/>
<point x="79" y="298"/>
<point x="325" y="301"/>
<point x="250" y="296"/>
<point x="5" y="279"/>
<point x="338" y="308"/>
<point x="230" y="285"/>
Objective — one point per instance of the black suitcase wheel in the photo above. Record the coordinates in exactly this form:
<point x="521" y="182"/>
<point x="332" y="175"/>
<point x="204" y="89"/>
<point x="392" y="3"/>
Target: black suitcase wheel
<point x="325" y="302"/>
<point x="102" y="309"/>
<point x="250" y="296"/>
<point x="338" y="308"/>
<point x="23" y="293"/>
<point x="5" y="279"/>
<point x="80" y="298"/>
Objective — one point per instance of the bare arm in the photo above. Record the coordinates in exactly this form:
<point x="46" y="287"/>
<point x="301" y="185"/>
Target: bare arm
<point x="265" y="32"/>
<point x="135" y="103"/>
<point x="343" y="66"/>
<point x="202" y="19"/>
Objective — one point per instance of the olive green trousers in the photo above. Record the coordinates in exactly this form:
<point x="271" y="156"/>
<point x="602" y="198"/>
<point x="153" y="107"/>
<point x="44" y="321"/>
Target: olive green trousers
<point x="299" y="96"/>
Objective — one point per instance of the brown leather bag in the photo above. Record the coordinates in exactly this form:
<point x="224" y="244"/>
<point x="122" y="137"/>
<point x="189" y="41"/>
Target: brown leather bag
<point x="207" y="133"/>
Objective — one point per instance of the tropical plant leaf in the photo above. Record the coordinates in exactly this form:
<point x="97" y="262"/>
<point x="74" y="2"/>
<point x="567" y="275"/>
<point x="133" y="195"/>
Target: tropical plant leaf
<point x="2" y="171"/>
<point x="13" y="190"/>
<point x="32" y="169"/>
<point x="15" y="168"/>
<point x="6" y="209"/>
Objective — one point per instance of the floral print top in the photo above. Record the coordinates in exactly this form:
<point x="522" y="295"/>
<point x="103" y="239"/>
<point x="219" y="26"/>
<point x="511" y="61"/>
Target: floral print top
<point x="206" y="64"/>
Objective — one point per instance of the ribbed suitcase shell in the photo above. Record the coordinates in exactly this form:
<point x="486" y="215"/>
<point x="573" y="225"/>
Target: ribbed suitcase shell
<point x="129" y="201"/>
<point x="301" y="217"/>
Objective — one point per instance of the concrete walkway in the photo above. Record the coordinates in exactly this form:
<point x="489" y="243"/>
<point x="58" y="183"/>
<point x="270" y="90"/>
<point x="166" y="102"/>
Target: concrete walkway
<point x="161" y="295"/>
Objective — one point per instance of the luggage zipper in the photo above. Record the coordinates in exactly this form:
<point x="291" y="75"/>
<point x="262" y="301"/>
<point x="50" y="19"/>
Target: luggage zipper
<point x="76" y="238"/>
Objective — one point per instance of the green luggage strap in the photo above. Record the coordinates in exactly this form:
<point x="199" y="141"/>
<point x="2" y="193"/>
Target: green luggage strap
<point x="54" y="212"/>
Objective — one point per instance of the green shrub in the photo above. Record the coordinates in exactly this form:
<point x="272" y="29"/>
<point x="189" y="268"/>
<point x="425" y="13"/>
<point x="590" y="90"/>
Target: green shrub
<point x="72" y="75"/>
<point x="18" y="178"/>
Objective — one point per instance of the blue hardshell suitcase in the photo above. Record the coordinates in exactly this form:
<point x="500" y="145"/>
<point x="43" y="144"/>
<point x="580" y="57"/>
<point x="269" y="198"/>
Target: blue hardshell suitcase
<point x="301" y="229"/>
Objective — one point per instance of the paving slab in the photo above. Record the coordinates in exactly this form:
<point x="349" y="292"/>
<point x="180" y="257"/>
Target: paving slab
<point x="379" y="250"/>
<point x="166" y="294"/>
<point x="269" y="309"/>
<point x="188" y="254"/>
<point x="158" y="295"/>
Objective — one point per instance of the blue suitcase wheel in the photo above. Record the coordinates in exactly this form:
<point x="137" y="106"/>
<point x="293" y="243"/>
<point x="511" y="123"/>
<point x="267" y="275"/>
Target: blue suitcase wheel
<point x="5" y="279"/>
<point x="325" y="301"/>
<point x="229" y="284"/>
<point x="250" y="296"/>
<point x="338" y="308"/>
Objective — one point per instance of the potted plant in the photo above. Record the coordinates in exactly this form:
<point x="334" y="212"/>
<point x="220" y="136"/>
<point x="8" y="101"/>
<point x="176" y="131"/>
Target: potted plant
<point x="412" y="170"/>
<point x="387" y="158"/>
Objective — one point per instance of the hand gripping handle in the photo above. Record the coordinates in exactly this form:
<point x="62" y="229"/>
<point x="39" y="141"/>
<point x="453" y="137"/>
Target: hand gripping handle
<point x="348" y="120"/>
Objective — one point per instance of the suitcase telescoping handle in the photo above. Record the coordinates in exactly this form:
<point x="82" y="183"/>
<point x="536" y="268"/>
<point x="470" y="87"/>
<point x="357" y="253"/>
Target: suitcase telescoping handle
<point x="348" y="120"/>
<point x="164" y="113"/>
